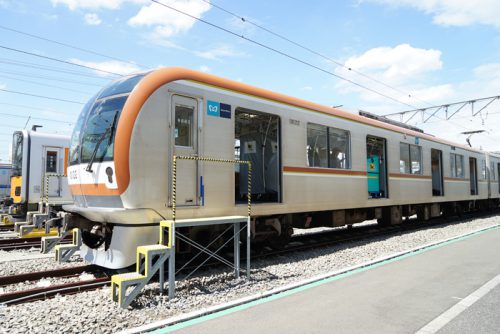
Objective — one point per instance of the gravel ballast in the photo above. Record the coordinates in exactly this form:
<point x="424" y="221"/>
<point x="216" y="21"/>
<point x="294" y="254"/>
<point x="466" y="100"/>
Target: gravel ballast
<point x="94" y="312"/>
<point x="28" y="261"/>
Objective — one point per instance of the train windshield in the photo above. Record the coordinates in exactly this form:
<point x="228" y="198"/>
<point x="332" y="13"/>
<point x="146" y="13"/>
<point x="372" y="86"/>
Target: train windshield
<point x="93" y="135"/>
<point x="99" y="132"/>
<point x="17" y="154"/>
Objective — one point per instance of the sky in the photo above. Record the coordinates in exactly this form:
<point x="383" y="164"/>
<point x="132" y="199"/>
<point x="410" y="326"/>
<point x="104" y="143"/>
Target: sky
<point x="380" y="56"/>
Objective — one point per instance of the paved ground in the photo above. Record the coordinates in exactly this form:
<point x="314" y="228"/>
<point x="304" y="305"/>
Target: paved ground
<point x="481" y="317"/>
<point x="397" y="297"/>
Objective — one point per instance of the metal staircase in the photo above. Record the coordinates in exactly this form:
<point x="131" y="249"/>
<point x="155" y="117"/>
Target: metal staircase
<point x="64" y="252"/>
<point x="36" y="223"/>
<point x="150" y="260"/>
<point x="48" y="243"/>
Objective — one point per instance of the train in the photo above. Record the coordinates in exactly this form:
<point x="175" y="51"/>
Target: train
<point x="313" y="165"/>
<point x="38" y="175"/>
<point x="5" y="170"/>
<point x="5" y="180"/>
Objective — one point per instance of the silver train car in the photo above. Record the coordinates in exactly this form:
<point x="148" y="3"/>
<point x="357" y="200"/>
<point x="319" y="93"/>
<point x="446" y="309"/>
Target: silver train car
<point x="35" y="155"/>
<point x="5" y="173"/>
<point x="313" y="165"/>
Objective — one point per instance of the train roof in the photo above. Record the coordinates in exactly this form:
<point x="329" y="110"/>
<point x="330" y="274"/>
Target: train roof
<point x="45" y="135"/>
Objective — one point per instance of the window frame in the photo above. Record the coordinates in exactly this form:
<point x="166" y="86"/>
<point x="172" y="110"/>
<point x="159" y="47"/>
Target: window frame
<point x="454" y="165"/>
<point x="410" y="161"/>
<point x="484" y="170"/>
<point x="191" y="135"/>
<point x="348" y="158"/>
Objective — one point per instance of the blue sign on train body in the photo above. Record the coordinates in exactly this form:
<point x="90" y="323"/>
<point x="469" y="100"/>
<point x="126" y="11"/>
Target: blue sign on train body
<point x="225" y="110"/>
<point x="218" y="109"/>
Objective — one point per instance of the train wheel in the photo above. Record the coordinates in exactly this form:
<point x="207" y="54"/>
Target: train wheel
<point x="423" y="213"/>
<point x="280" y="242"/>
<point x="392" y="215"/>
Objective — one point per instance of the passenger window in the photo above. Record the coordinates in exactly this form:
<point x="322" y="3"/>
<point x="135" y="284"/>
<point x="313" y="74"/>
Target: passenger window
<point x="483" y="169"/>
<point x="184" y="126"/>
<point x="492" y="170"/>
<point x="51" y="162"/>
<point x="317" y="148"/>
<point x="410" y="161"/>
<point x="457" y="165"/>
<point x="327" y="147"/>
<point x="404" y="160"/>
<point x="338" y="142"/>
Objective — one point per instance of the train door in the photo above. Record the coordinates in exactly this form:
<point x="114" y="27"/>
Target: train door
<point x="376" y="167"/>
<point x="498" y="177"/>
<point x="257" y="139"/>
<point x="437" y="172"/>
<point x="473" y="176"/>
<point x="53" y="162"/>
<point x="185" y="143"/>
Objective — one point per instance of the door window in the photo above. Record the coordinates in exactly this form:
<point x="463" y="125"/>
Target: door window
<point x="184" y="126"/>
<point x="51" y="162"/>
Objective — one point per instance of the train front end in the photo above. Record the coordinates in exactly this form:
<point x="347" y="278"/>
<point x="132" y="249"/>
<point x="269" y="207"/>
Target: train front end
<point x="111" y="228"/>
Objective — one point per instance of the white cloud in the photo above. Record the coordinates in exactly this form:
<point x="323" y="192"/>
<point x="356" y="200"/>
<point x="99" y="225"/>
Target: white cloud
<point x="454" y="12"/>
<point x="113" y="66"/>
<point x="3" y="86"/>
<point x="166" y="22"/>
<point x="218" y="53"/>
<point x="396" y="64"/>
<point x="92" y="19"/>
<point x="404" y="68"/>
<point x="307" y="88"/>
<point x="205" y="68"/>
<point x="95" y="4"/>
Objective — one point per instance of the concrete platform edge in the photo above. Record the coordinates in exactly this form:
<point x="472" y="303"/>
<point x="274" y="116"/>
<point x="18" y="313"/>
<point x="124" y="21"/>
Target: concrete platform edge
<point x="189" y="319"/>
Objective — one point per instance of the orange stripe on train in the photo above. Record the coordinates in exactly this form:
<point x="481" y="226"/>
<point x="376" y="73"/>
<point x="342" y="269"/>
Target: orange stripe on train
<point x="98" y="189"/>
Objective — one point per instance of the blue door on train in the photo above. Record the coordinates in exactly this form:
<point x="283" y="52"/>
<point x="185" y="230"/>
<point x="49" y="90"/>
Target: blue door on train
<point x="185" y="143"/>
<point x="376" y="167"/>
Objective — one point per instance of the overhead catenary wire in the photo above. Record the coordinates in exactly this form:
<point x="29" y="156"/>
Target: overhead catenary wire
<point x="49" y="68"/>
<point x="59" y="60"/>
<point x="72" y="46"/>
<point x="317" y="53"/>
<point x="37" y="118"/>
<point x="40" y="96"/>
<point x="24" y="106"/>
<point x="289" y="40"/>
<point x="287" y="55"/>
<point x="29" y="75"/>
<point x="283" y="53"/>
<point x="44" y="84"/>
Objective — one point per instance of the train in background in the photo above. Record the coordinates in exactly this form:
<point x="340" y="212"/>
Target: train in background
<point x="38" y="175"/>
<point x="5" y="171"/>
<point x="313" y="165"/>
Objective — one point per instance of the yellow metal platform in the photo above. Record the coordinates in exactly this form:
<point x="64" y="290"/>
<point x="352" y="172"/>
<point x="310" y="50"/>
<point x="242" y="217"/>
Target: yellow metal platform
<point x="40" y="232"/>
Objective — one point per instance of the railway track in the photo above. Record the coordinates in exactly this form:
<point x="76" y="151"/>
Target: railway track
<point x="9" y="244"/>
<point x="40" y="293"/>
<point x="19" y="243"/>
<point x="365" y="233"/>
<point x="297" y="243"/>
<point x="6" y="228"/>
